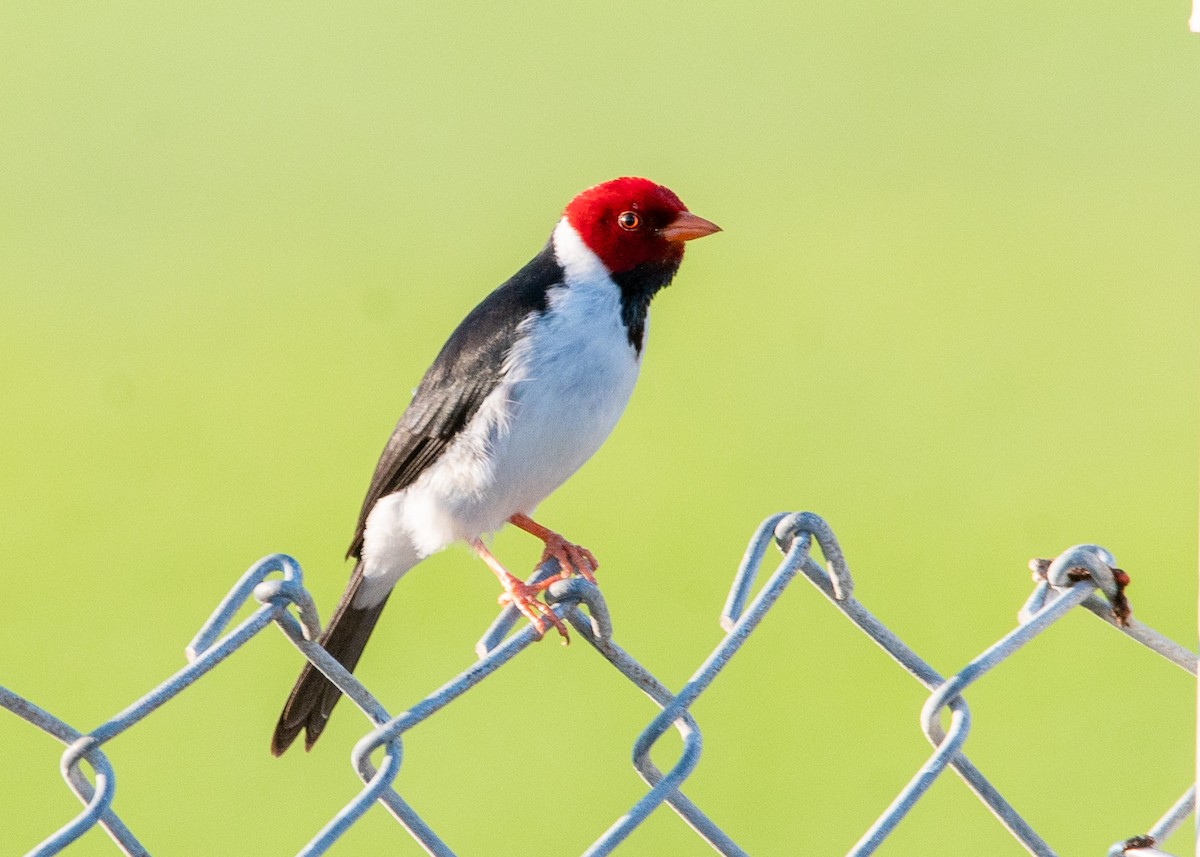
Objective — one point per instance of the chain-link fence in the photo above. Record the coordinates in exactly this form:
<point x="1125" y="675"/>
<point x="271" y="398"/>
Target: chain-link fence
<point x="1083" y="576"/>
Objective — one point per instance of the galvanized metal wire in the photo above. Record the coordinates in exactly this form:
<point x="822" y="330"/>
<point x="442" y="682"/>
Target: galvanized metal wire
<point x="1083" y="576"/>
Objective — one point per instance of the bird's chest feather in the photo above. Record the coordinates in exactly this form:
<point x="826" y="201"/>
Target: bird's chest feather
<point x="567" y="384"/>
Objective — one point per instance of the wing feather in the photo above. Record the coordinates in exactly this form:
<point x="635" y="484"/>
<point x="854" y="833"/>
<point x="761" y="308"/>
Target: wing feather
<point x="467" y="369"/>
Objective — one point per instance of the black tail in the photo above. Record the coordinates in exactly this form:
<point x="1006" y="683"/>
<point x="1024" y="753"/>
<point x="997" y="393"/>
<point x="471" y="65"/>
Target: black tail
<point x="314" y="696"/>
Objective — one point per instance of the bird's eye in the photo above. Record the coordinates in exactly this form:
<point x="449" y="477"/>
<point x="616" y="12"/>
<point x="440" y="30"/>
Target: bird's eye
<point x="629" y="220"/>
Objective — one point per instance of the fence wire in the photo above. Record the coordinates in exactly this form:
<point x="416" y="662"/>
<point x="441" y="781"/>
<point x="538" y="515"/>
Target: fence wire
<point x="1083" y="576"/>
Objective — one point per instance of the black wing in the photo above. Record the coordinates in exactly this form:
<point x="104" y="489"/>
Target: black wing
<point x="466" y="370"/>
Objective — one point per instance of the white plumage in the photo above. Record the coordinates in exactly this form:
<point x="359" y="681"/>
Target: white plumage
<point x="567" y="379"/>
<point x="524" y="391"/>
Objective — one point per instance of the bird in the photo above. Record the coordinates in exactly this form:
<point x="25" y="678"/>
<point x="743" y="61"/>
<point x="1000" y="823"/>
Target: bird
<point x="524" y="391"/>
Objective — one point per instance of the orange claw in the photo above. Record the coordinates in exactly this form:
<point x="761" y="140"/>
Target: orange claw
<point x="524" y="597"/>
<point x="572" y="558"/>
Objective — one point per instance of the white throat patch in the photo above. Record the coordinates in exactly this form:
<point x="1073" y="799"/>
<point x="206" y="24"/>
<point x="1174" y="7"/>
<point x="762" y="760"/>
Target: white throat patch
<point x="576" y="258"/>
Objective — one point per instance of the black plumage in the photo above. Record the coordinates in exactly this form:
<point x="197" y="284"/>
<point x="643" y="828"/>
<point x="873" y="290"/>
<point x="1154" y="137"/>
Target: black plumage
<point x="621" y="239"/>
<point x="467" y="369"/>
<point x="638" y="285"/>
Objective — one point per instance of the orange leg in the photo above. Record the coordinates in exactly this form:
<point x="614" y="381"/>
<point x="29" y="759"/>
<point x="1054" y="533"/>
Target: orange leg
<point x="520" y="594"/>
<point x="572" y="558"/>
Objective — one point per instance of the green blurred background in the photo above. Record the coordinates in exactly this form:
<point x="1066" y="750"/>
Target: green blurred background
<point x="954" y="311"/>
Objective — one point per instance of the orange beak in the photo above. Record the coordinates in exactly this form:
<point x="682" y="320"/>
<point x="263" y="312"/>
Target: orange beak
<point x="687" y="226"/>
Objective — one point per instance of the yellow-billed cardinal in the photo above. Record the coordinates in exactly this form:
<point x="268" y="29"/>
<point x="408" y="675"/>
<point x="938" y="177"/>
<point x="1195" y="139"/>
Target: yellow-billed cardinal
<point x="524" y="392"/>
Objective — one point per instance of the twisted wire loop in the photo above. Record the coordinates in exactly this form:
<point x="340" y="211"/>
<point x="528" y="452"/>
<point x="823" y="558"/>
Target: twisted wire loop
<point x="1143" y="845"/>
<point x="97" y="800"/>
<point x="205" y="652"/>
<point x="1069" y="580"/>
<point x="1083" y="576"/>
<point x="836" y="584"/>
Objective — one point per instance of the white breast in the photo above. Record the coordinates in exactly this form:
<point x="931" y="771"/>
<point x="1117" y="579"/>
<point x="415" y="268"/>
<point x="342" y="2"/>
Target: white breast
<point x="566" y="384"/>
<point x="572" y="380"/>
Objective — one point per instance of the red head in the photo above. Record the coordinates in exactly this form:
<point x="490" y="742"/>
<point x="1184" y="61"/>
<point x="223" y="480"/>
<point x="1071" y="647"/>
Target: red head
<point x="629" y="222"/>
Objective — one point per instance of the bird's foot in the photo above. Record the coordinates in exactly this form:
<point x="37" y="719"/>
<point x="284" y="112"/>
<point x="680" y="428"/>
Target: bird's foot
<point x="572" y="559"/>
<point x="524" y="596"/>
